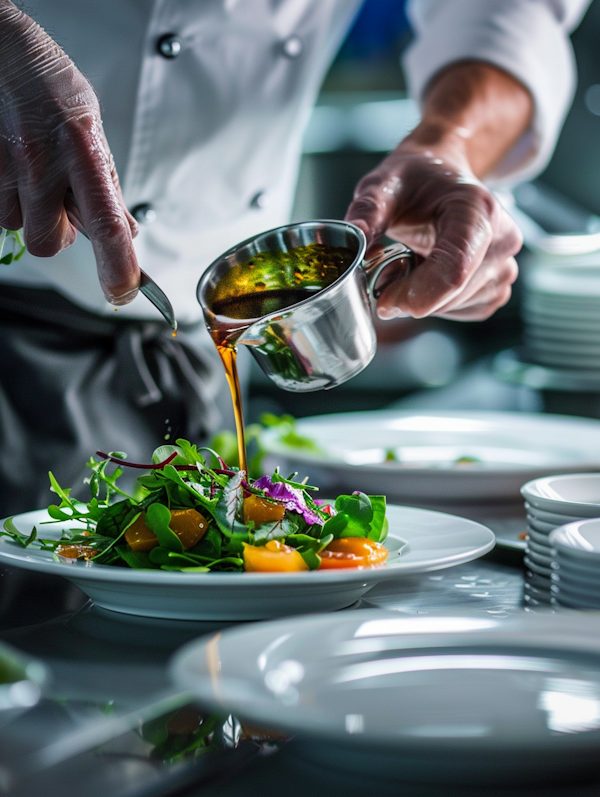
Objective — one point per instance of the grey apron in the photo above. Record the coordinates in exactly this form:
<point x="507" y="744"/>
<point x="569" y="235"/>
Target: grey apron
<point x="72" y="383"/>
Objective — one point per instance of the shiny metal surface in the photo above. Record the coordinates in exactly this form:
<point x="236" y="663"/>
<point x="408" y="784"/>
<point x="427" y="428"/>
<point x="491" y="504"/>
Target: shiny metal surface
<point x="159" y="299"/>
<point x="325" y="340"/>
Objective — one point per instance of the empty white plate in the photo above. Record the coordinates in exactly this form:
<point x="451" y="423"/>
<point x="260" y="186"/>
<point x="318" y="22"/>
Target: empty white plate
<point x="576" y="495"/>
<point x="436" y="456"/>
<point x="465" y="700"/>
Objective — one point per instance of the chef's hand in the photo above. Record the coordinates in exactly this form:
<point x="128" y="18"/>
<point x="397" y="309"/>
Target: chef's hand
<point x="427" y="194"/>
<point x="53" y="148"/>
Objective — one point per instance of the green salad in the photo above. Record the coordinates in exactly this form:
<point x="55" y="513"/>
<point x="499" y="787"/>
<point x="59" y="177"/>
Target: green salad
<point x="191" y="516"/>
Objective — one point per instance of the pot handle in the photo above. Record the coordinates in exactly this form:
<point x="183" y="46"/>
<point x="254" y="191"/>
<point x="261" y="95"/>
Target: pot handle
<point x="396" y="253"/>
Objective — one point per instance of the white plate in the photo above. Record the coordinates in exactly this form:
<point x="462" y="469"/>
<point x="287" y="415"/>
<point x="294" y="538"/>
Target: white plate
<point x="439" y="699"/>
<point x="537" y="335"/>
<point x="511" y="448"/>
<point x="566" y="351"/>
<point x="571" y="360"/>
<point x="575" y="599"/>
<point x="577" y="321"/>
<point x="508" y="532"/>
<point x="578" y="580"/>
<point x="535" y="593"/>
<point x="575" y="591"/>
<point x="574" y="603"/>
<point x="540" y="554"/>
<point x="571" y="494"/>
<point x="540" y="526"/>
<point x="564" y="563"/>
<point x="539" y="538"/>
<point x="572" y="283"/>
<point x="537" y="568"/>
<point x="432" y="541"/>
<point x="553" y="519"/>
<point x="540" y="582"/>
<point x="580" y="539"/>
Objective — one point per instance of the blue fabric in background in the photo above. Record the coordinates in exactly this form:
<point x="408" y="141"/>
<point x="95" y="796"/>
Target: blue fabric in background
<point x="380" y="29"/>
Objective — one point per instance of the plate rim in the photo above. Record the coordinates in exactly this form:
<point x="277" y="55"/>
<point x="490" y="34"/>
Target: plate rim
<point x="523" y="418"/>
<point x="78" y="571"/>
<point x="406" y="743"/>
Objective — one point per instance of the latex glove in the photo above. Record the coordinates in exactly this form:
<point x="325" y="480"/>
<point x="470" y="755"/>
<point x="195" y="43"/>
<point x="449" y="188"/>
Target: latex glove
<point x="432" y="202"/>
<point x="52" y="142"/>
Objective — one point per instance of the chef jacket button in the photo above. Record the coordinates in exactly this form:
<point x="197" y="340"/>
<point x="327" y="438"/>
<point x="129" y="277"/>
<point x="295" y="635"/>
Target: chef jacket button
<point x="143" y="213"/>
<point x="292" y="47"/>
<point x="169" y="45"/>
<point x="260" y="200"/>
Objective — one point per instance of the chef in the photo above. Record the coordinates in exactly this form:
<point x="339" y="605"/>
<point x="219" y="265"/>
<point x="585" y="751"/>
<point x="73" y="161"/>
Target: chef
<point x="170" y="130"/>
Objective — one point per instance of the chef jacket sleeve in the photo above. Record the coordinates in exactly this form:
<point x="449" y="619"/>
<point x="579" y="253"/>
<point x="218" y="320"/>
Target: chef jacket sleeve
<point x="527" y="38"/>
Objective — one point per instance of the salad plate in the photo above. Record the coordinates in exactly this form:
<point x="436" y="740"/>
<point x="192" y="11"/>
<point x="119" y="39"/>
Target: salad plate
<point x="435" y="457"/>
<point x="419" y="541"/>
<point x="443" y="699"/>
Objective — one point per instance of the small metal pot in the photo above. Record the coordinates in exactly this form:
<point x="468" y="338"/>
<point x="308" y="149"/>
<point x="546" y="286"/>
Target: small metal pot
<point x="326" y="339"/>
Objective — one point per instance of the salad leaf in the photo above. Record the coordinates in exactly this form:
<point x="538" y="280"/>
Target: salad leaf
<point x="229" y="505"/>
<point x="16" y="242"/>
<point x="353" y="518"/>
<point x="158" y="517"/>
<point x="275" y="530"/>
<point x="114" y="517"/>
<point x="209" y="546"/>
<point x="379" y="525"/>
<point x="170" y="473"/>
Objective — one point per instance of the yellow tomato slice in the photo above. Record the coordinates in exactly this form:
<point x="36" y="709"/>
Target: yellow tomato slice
<point x="188" y="524"/>
<point x="261" y="510"/>
<point x="274" y="557"/>
<point x="77" y="551"/>
<point x="353" y="552"/>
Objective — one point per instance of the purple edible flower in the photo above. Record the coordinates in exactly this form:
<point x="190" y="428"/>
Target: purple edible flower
<point x="291" y="497"/>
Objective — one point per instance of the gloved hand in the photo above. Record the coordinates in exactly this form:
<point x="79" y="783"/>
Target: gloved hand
<point x="432" y="202"/>
<point x="51" y="144"/>
<point x="427" y="194"/>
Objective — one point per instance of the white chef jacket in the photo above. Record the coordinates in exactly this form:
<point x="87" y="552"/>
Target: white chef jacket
<point x="527" y="38"/>
<point x="211" y="139"/>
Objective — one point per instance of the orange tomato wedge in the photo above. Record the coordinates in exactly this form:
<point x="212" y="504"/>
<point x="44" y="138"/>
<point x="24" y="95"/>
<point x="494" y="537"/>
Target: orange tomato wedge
<point x="188" y="524"/>
<point x="77" y="552"/>
<point x="274" y="557"/>
<point x="353" y="552"/>
<point x="261" y="510"/>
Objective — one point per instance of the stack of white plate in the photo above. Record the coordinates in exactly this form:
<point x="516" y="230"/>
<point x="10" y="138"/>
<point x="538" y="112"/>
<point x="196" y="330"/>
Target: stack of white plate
<point x="561" y="311"/>
<point x="551" y="502"/>
<point x="576" y="576"/>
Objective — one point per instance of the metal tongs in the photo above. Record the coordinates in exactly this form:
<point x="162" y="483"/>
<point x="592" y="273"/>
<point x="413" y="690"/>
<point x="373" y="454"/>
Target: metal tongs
<point x="148" y="287"/>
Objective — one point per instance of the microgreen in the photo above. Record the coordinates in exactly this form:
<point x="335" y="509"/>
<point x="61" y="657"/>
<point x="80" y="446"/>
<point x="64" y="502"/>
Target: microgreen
<point x="14" y="238"/>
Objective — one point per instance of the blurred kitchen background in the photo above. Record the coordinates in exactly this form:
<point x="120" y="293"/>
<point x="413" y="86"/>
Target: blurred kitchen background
<point x="541" y="351"/>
